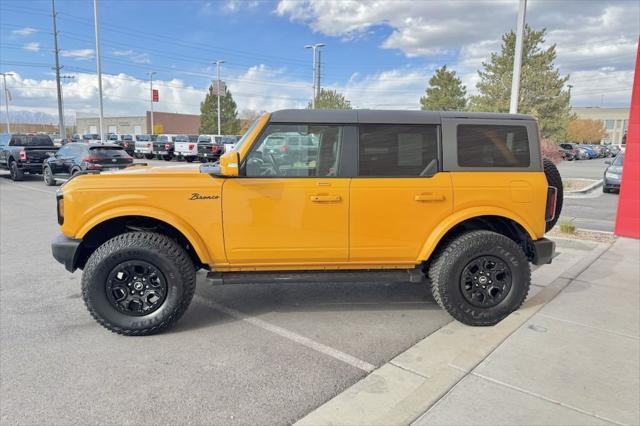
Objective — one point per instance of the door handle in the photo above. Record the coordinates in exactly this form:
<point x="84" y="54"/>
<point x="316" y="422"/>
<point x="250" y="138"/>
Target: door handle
<point x="325" y="198"/>
<point x="429" y="197"/>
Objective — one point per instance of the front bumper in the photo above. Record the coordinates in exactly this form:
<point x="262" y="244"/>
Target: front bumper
<point x="612" y="182"/>
<point x="65" y="250"/>
<point x="543" y="251"/>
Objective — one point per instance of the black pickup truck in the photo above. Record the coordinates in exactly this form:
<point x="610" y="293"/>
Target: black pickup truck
<point x="164" y="146"/>
<point x="24" y="153"/>
<point x="211" y="147"/>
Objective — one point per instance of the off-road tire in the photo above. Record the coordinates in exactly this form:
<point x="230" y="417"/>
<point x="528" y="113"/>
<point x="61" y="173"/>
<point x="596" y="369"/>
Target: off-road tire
<point x="166" y="255"/>
<point x="47" y="176"/>
<point x="445" y="276"/>
<point x="15" y="173"/>
<point x="554" y="179"/>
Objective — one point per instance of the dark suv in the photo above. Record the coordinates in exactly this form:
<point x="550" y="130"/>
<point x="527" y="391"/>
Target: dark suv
<point x="77" y="157"/>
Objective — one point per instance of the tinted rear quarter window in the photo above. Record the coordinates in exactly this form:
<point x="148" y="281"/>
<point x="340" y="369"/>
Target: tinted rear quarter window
<point x="481" y="145"/>
<point x="106" y="152"/>
<point x="398" y="150"/>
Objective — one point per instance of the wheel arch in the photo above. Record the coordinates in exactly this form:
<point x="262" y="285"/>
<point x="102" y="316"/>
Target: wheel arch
<point x="107" y="226"/>
<point x="497" y="220"/>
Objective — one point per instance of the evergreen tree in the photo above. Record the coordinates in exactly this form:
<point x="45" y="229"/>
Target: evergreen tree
<point x="331" y="99"/>
<point x="444" y="93"/>
<point x="228" y="113"/>
<point x="542" y="88"/>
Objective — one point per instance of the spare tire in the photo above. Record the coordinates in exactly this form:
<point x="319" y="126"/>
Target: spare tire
<point x="553" y="179"/>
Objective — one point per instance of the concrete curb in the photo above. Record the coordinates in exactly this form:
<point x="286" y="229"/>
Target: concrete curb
<point x="588" y="189"/>
<point x="403" y="389"/>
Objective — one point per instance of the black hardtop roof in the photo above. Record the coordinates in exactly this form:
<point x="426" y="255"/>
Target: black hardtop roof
<point x="373" y="116"/>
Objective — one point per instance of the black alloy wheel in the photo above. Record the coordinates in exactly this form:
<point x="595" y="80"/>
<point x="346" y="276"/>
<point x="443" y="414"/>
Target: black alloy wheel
<point x="136" y="288"/>
<point x="485" y="281"/>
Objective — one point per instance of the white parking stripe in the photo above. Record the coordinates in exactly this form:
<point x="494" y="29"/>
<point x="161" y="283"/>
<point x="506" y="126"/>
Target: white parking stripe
<point x="304" y="341"/>
<point x="19" y="187"/>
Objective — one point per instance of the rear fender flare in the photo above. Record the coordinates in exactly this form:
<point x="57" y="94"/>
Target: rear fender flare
<point x="460" y="216"/>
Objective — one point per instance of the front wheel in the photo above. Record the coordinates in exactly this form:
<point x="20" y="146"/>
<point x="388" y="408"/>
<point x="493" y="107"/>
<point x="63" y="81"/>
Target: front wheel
<point x="138" y="283"/>
<point x="49" y="180"/>
<point x="480" y="277"/>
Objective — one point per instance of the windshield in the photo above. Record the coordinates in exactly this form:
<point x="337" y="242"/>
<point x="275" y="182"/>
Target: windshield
<point x="244" y="137"/>
<point x="619" y="160"/>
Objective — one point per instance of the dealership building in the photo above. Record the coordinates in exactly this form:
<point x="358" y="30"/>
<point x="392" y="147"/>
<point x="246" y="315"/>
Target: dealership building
<point x="615" y="121"/>
<point x="164" y="122"/>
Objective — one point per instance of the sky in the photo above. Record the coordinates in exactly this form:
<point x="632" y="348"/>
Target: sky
<point x="379" y="54"/>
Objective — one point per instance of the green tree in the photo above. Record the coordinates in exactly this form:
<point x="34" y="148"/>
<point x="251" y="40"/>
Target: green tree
<point x="228" y="113"/>
<point x="542" y="88"/>
<point x="444" y="93"/>
<point x="331" y="99"/>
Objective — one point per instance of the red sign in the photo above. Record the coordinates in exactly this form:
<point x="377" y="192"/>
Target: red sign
<point x="155" y="97"/>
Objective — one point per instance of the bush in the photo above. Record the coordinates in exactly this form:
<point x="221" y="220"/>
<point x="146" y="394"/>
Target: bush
<point x="567" y="227"/>
<point x="550" y="150"/>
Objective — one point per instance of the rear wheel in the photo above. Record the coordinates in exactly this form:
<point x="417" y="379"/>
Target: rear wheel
<point x="167" y="157"/>
<point x="480" y="277"/>
<point x="189" y="159"/>
<point x="554" y="179"/>
<point x="138" y="283"/>
<point x="148" y="156"/>
<point x="138" y="155"/>
<point x="15" y="173"/>
<point x="49" y="180"/>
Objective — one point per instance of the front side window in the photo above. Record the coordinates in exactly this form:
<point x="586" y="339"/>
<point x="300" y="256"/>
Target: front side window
<point x="482" y="145"/>
<point x="398" y="150"/>
<point x="279" y="152"/>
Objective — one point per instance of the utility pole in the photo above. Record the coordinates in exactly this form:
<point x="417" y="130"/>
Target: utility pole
<point x="151" y="73"/>
<point x="61" y="130"/>
<point x="517" y="58"/>
<point x="98" y="66"/>
<point x="218" y="62"/>
<point x="316" y="70"/>
<point x="6" y="98"/>
<point x="63" y="135"/>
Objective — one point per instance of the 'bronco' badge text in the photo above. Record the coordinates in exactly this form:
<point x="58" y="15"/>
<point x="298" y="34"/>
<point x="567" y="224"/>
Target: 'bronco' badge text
<point x="196" y="196"/>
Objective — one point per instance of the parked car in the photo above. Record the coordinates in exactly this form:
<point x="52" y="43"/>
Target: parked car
<point x="569" y="151"/>
<point x="185" y="148"/>
<point x="143" y="146"/>
<point x="74" y="158"/>
<point x="613" y="174"/>
<point x="163" y="147"/>
<point x="211" y="147"/>
<point x="24" y="153"/>
<point x="591" y="153"/>
<point x="387" y="195"/>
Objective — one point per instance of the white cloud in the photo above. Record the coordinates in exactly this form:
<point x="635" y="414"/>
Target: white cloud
<point x="32" y="47"/>
<point x="22" y="32"/>
<point x="79" y="54"/>
<point x="138" y="58"/>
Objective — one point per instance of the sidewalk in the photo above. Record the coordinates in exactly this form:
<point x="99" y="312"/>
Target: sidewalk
<point x="570" y="355"/>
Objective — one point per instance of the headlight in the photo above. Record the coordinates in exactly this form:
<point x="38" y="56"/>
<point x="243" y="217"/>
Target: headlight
<point x="611" y="175"/>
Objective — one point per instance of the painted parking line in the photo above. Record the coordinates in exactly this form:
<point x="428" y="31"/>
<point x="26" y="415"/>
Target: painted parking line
<point x="18" y="186"/>
<point x="290" y="335"/>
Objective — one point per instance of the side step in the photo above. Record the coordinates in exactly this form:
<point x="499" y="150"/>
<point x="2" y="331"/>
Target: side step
<point x="365" y="276"/>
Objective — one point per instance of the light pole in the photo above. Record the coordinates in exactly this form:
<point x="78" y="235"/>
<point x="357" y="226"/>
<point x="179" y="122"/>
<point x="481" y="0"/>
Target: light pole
<point x="517" y="58"/>
<point x="218" y="62"/>
<point x="63" y="135"/>
<point x="6" y="98"/>
<point x="316" y="73"/>
<point x="61" y="128"/>
<point x="98" y="66"/>
<point x="151" y="74"/>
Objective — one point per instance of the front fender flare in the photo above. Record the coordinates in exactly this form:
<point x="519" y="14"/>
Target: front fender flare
<point x="154" y="213"/>
<point x="460" y="216"/>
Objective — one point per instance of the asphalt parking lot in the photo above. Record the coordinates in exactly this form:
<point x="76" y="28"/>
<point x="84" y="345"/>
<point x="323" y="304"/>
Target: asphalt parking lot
<point x="244" y="354"/>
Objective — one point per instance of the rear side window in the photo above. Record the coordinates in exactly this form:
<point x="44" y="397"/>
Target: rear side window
<point x="481" y="145"/>
<point x="398" y="150"/>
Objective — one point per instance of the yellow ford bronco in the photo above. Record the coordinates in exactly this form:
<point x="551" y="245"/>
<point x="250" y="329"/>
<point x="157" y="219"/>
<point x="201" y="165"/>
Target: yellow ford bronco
<point x="459" y="201"/>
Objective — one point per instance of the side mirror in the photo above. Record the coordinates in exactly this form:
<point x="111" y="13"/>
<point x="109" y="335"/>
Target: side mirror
<point x="227" y="166"/>
<point x="609" y="162"/>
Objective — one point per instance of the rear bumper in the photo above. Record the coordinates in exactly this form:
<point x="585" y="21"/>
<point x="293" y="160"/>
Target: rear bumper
<point x="65" y="251"/>
<point x="543" y="251"/>
<point x="31" y="167"/>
